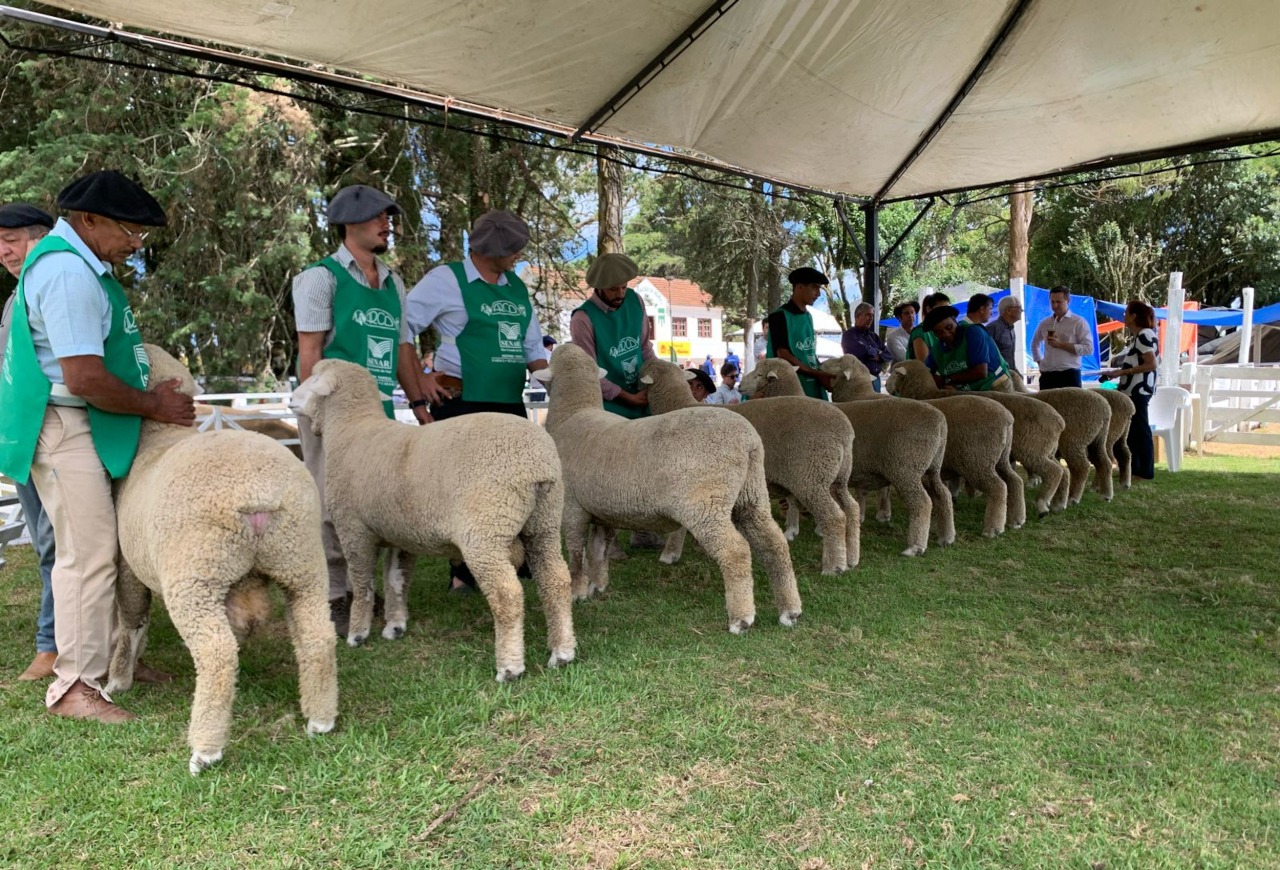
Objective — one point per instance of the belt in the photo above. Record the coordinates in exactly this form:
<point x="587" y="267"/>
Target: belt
<point x="450" y="383"/>
<point x="60" y="395"/>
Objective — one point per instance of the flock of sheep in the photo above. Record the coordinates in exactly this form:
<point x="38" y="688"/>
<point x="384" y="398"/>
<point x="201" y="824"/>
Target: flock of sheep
<point x="206" y="520"/>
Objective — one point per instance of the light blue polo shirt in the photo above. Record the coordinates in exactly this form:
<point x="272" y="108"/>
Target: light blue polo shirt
<point x="66" y="306"/>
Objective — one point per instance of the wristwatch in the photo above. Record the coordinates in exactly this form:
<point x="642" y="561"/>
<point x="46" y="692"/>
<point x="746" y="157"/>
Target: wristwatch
<point x="419" y="403"/>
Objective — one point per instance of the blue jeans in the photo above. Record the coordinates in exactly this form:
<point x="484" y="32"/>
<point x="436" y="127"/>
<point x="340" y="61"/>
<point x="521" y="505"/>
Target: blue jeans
<point x="40" y="528"/>
<point x="875" y="384"/>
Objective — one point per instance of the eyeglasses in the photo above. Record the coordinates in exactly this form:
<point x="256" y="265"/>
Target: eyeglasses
<point x="141" y="237"/>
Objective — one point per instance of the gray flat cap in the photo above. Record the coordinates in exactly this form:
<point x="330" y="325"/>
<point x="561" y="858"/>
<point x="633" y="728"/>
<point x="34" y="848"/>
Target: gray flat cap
<point x="359" y="203"/>
<point x="499" y="234"/>
<point x="17" y="215"/>
<point x="611" y="270"/>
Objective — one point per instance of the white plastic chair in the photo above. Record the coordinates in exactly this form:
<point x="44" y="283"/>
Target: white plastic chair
<point x="1168" y="414"/>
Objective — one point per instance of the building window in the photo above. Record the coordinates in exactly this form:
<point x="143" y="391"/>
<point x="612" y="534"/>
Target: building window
<point x="680" y="327"/>
<point x="652" y="331"/>
<point x="704" y="327"/>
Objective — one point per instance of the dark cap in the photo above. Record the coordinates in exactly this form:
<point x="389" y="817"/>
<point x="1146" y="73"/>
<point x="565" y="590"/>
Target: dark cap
<point x="359" y="203"/>
<point x="939" y="314"/>
<point x="112" y="195"/>
<point x="548" y="341"/>
<point x="611" y="270"/>
<point x="903" y="306"/>
<point x="807" y="275"/>
<point x="702" y="378"/>
<point x="17" y="215"/>
<point x="499" y="234"/>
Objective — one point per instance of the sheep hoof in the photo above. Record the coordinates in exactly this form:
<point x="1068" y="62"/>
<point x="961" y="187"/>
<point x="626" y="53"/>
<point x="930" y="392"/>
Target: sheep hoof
<point x="789" y="618"/>
<point x="791" y="534"/>
<point x="560" y="657"/>
<point x="202" y="761"/>
<point x="320" y="726"/>
<point x="510" y="674"/>
<point x="833" y="572"/>
<point x="913" y="551"/>
<point x="1015" y="525"/>
<point x="596" y="591"/>
<point x="1042" y="513"/>
<point x="884" y="517"/>
<point x="393" y="630"/>
<point x="668" y="560"/>
<point x="990" y="533"/>
<point x="738" y="626"/>
<point x="357" y="638"/>
<point x="114" y="685"/>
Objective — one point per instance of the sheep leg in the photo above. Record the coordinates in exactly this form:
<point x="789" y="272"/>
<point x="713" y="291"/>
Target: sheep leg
<point x="884" y="512"/>
<point x="830" y="519"/>
<point x="729" y="549"/>
<point x="576" y="531"/>
<point x="133" y="607"/>
<point x="1061" y="494"/>
<point x="919" y="510"/>
<point x="496" y="577"/>
<point x="199" y="614"/>
<point x="852" y="524"/>
<point x="361" y="549"/>
<point x="1100" y="455"/>
<point x="395" y="592"/>
<point x="793" y="519"/>
<point x="1078" y="464"/>
<point x="307" y="616"/>
<point x="541" y="538"/>
<point x="990" y="484"/>
<point x="1124" y="459"/>
<point x="674" y="547"/>
<point x="598" y="560"/>
<point x="1050" y="473"/>
<point x="769" y="546"/>
<point x="1017" y="498"/>
<point x="944" y="512"/>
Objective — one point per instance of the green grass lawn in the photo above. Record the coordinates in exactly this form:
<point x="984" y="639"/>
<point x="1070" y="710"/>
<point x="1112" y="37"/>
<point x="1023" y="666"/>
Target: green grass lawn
<point x="1099" y="690"/>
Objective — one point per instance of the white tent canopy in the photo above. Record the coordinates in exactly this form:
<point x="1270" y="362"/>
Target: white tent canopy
<point x="885" y="99"/>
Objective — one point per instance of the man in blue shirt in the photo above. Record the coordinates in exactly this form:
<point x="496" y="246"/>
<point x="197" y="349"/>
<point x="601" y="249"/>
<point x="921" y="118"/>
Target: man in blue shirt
<point x="862" y="341"/>
<point x="965" y="357"/>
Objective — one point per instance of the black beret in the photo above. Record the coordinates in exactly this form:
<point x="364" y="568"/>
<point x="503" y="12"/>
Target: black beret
<point x="112" y="195"/>
<point x="702" y="378"/>
<point x="17" y="215"/>
<point x="903" y="306"/>
<point x="359" y="203"/>
<point x="807" y="275"/>
<point x="548" y="341"/>
<point x="939" y="314"/>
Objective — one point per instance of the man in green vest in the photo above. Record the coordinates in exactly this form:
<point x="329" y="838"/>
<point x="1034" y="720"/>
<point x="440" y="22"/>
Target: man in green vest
<point x="73" y="395"/>
<point x="612" y="326"/>
<point x="964" y="356"/>
<point x="791" y="336"/>
<point x="922" y="340"/>
<point x="489" y="338"/>
<point x="349" y="306"/>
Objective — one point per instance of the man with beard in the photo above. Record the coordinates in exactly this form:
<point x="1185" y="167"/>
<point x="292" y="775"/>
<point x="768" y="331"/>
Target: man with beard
<point x="612" y="326"/>
<point x="349" y="306"/>
<point x="791" y="336"/>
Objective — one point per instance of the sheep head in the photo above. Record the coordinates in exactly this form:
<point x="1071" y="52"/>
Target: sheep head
<point x="569" y="370"/>
<point x="164" y="367"/>
<point x="910" y="378"/>
<point x="331" y="378"/>
<point x="668" y="386"/>
<point x="772" y="377"/>
<point x="852" y="378"/>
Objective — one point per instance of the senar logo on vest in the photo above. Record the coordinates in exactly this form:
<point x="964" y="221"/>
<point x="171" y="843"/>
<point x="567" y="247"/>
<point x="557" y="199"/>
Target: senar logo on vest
<point x="376" y="318"/>
<point x="504" y="308"/>
<point x="379" y="353"/>
<point x="509" y="336"/>
<point x="629" y="344"/>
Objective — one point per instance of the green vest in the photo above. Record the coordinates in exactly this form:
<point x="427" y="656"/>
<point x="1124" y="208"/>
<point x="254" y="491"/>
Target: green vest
<point x="366" y="327"/>
<point x="618" y="348"/>
<point x="951" y="361"/>
<point x="804" y="346"/>
<point x="491" y="345"/>
<point x="25" y="388"/>
<point x="929" y="339"/>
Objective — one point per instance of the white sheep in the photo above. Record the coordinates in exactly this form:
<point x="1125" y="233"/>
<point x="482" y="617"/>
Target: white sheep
<point x="206" y="520"/>
<point x="898" y="443"/>
<point x="481" y="488"/>
<point x="689" y="468"/>
<point x="808" y="455"/>
<point x="1122" y="411"/>
<point x="1083" y="442"/>
<point x="1037" y="430"/>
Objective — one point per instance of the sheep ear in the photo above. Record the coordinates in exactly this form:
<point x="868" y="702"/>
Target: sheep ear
<point x="646" y="379"/>
<point x="542" y="376"/>
<point x="321" y="384"/>
<point x="688" y="375"/>
<point x="771" y="376"/>
<point x="601" y="373"/>
<point x="795" y="368"/>
<point x="848" y="375"/>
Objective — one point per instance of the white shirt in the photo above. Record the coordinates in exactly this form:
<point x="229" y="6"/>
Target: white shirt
<point x="436" y="301"/>
<point x="1070" y="327"/>
<point x="898" y="340"/>
<point x="724" y="395"/>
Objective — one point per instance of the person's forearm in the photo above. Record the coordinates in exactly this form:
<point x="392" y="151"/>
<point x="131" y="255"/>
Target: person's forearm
<point x="307" y="359"/>
<point x="609" y="390"/>
<point x="106" y="392"/>
<point x="969" y="375"/>
<point x="407" y="366"/>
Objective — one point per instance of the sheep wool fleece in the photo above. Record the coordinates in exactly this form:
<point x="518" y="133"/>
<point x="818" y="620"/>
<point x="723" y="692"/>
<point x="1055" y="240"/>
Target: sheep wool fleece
<point x="24" y="390"/>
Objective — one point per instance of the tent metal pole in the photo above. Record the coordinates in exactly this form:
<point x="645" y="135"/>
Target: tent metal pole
<point x="915" y="221"/>
<point x="853" y="237"/>
<point x="871" y="262"/>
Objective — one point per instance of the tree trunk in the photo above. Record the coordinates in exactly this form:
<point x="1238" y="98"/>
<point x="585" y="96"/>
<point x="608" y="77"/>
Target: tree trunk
<point x="1020" y="205"/>
<point x="609" y="173"/>
<point x="749" y="324"/>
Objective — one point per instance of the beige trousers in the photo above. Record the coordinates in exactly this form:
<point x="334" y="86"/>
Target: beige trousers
<point x="313" y="458"/>
<point x="76" y="492"/>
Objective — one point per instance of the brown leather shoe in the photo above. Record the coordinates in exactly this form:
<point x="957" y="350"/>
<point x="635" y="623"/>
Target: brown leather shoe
<point x="41" y="667"/>
<point x="143" y="673"/>
<point x="83" y="702"/>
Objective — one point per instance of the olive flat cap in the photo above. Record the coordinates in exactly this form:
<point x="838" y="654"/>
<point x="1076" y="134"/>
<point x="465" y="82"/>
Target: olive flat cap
<point x="499" y="234"/>
<point x="807" y="275"/>
<point x="611" y="270"/>
<point x="113" y="195"/>
<point x="358" y="203"/>
<point x="939" y="314"/>
<point x="17" y="215"/>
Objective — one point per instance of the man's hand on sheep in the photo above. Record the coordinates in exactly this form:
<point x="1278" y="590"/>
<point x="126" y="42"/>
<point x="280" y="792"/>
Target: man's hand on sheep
<point x="638" y="400"/>
<point x="432" y="390"/>
<point x="168" y="405"/>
